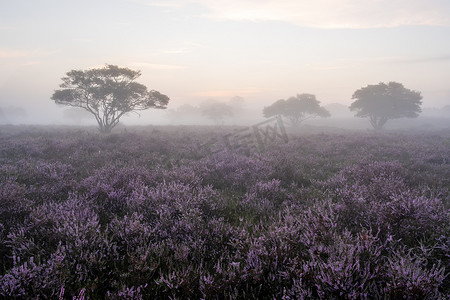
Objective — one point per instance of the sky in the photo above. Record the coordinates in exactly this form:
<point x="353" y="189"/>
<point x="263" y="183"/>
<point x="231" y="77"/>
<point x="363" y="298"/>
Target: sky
<point x="201" y="50"/>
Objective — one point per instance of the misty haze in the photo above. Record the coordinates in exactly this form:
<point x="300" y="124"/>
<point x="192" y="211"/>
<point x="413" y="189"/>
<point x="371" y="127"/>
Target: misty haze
<point x="205" y="149"/>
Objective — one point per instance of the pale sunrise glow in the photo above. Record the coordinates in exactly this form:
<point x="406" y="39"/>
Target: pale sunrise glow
<point x="325" y="13"/>
<point x="202" y="50"/>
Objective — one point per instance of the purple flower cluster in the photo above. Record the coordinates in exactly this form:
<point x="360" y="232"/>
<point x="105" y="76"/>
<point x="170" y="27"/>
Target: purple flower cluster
<point x="149" y="215"/>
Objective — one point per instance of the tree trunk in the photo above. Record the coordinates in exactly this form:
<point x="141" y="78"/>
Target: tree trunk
<point x="104" y="128"/>
<point x="378" y="122"/>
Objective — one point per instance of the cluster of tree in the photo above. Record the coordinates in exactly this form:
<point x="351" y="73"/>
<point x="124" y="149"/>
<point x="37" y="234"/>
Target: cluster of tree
<point x="379" y="103"/>
<point x="297" y="109"/>
<point x="215" y="111"/>
<point x="111" y="92"/>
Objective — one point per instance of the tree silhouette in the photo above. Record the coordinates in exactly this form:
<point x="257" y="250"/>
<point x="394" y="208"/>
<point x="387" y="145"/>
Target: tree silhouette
<point x="297" y="109"/>
<point x="383" y="102"/>
<point x="108" y="93"/>
<point x="216" y="111"/>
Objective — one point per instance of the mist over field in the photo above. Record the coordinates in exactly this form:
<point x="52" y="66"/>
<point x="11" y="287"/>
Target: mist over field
<point x="200" y="51"/>
<point x="244" y="114"/>
<point x="200" y="149"/>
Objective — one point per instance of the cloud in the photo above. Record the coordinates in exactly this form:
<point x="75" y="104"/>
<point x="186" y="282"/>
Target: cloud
<point x="13" y="53"/>
<point x="160" y="3"/>
<point x="7" y="53"/>
<point x="176" y="51"/>
<point x="157" y="66"/>
<point x="438" y="59"/>
<point x="4" y="27"/>
<point x="326" y="13"/>
<point x="185" y="47"/>
<point x="31" y="63"/>
<point x="230" y="93"/>
<point x="346" y="64"/>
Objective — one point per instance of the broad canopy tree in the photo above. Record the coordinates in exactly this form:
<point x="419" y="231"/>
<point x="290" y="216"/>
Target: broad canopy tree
<point x="108" y="93"/>
<point x="383" y="102"/>
<point x="216" y="111"/>
<point x="297" y="109"/>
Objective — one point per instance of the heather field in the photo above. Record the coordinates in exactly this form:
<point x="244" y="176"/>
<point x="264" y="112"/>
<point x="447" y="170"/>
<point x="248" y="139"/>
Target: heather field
<point x="150" y="213"/>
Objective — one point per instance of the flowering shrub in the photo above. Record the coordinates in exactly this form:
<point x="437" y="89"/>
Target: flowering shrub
<point x="264" y="198"/>
<point x="150" y="215"/>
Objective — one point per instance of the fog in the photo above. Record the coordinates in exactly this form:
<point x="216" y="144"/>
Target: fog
<point x="241" y="113"/>
<point x="198" y="52"/>
<point x="238" y="149"/>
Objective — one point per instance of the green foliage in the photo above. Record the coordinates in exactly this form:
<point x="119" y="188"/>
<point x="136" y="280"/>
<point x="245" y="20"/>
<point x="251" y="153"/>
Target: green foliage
<point x="108" y="93"/>
<point x="297" y="109"/>
<point x="383" y="102"/>
<point x="217" y="111"/>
